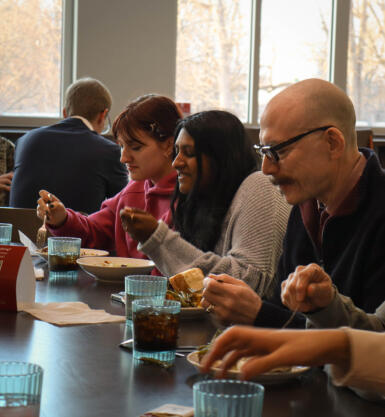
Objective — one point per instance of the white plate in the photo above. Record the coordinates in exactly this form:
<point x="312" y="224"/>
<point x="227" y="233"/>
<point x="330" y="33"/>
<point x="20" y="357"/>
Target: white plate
<point x="120" y="267"/>
<point x="185" y="312"/>
<point x="294" y="372"/>
<point x="83" y="253"/>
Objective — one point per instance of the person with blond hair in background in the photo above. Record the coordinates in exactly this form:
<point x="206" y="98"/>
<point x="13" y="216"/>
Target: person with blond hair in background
<point x="7" y="151"/>
<point x="71" y="158"/>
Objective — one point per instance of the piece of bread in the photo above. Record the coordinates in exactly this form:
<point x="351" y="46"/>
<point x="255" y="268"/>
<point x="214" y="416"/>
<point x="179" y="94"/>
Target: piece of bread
<point x="192" y="279"/>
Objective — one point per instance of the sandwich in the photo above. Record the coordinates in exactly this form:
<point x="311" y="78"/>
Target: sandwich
<point x="187" y="286"/>
<point x="188" y="281"/>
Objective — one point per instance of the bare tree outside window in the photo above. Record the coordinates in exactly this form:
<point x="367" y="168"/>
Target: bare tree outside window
<point x="366" y="61"/>
<point x="294" y="44"/>
<point x="213" y="49"/>
<point x="30" y="57"/>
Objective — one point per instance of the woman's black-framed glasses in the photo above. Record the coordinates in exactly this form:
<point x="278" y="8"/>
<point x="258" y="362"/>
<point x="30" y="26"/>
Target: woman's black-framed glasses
<point x="272" y="151"/>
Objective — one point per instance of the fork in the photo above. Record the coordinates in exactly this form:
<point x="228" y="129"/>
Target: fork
<point x="290" y="319"/>
<point x="41" y="236"/>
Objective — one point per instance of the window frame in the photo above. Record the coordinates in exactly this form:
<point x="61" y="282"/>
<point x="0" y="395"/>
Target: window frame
<point x="338" y="58"/>
<point x="68" y="71"/>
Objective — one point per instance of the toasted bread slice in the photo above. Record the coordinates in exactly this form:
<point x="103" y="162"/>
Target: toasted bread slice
<point x="192" y="279"/>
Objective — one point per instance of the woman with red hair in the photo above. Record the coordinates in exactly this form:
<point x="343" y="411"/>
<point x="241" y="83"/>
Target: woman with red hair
<point x="145" y="132"/>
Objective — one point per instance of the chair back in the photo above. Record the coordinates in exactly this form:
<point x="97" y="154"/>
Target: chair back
<point x="253" y="133"/>
<point x="365" y="138"/>
<point x="23" y="219"/>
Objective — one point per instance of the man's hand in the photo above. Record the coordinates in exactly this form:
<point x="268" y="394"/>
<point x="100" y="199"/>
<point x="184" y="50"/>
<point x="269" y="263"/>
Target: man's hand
<point x="52" y="207"/>
<point x="269" y="349"/>
<point x="138" y="223"/>
<point x="5" y="181"/>
<point x="307" y="289"/>
<point x="230" y="300"/>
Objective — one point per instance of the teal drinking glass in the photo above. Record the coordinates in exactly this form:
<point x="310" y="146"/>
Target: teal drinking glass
<point x="155" y="329"/>
<point x="143" y="286"/>
<point x="228" y="398"/>
<point x="63" y="252"/>
<point x="20" y="389"/>
<point x="5" y="233"/>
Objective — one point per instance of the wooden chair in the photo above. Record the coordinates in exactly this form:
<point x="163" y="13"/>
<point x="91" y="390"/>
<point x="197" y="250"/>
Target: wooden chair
<point x="253" y="133"/>
<point x="23" y="219"/>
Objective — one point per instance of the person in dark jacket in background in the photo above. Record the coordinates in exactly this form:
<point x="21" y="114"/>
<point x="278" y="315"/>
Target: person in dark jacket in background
<point x="71" y="158"/>
<point x="7" y="151"/>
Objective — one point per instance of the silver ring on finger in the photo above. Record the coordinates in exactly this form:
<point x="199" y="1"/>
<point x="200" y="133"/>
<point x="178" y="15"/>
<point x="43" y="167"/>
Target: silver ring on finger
<point x="210" y="308"/>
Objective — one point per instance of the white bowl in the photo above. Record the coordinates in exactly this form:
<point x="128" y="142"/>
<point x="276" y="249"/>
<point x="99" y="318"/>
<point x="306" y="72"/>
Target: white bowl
<point x="114" y="269"/>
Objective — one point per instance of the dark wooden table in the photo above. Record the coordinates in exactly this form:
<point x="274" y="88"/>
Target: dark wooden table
<point x="86" y="374"/>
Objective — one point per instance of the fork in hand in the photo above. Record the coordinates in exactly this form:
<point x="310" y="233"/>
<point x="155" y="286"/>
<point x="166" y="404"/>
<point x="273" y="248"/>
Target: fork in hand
<point x="290" y="319"/>
<point x="41" y="236"/>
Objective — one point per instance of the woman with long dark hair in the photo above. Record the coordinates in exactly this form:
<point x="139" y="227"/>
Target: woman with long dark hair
<point x="227" y="216"/>
<point x="145" y="132"/>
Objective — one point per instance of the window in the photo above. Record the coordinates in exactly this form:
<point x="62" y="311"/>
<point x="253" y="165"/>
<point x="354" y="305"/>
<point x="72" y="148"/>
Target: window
<point x="366" y="61"/>
<point x="341" y="41"/>
<point x="294" y="44"/>
<point x="213" y="49"/>
<point x="31" y="57"/>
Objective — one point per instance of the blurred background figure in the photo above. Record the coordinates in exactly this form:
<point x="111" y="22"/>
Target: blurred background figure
<point x="7" y="150"/>
<point x="71" y="158"/>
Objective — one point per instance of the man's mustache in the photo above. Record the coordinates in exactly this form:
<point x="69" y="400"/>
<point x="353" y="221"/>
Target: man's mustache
<point x="281" y="181"/>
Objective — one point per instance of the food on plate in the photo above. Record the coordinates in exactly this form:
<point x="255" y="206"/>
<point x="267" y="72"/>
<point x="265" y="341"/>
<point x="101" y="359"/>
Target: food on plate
<point x="185" y="299"/>
<point x="114" y="264"/>
<point x="187" y="287"/>
<point x="89" y="252"/>
<point x="43" y="250"/>
<point x="195" y="359"/>
<point x="202" y="350"/>
<point x="83" y="251"/>
<point x="238" y="366"/>
<point x="190" y="280"/>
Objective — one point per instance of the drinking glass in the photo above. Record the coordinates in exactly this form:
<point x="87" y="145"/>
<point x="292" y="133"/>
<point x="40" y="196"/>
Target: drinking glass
<point x="63" y="252"/>
<point x="155" y="329"/>
<point x="143" y="286"/>
<point x="227" y="398"/>
<point x="5" y="233"/>
<point x="20" y="389"/>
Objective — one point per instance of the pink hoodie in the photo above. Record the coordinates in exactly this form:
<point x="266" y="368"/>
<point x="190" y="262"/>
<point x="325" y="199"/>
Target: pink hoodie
<point x="103" y="229"/>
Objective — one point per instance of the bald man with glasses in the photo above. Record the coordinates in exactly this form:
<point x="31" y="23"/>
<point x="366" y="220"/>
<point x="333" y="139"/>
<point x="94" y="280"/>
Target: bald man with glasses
<point x="309" y="148"/>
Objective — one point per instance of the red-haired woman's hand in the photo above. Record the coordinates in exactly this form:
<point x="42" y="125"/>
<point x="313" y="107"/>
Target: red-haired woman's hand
<point x="50" y="206"/>
<point x="139" y="224"/>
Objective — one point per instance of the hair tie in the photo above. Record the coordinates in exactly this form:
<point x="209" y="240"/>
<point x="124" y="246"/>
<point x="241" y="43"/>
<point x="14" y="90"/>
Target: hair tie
<point x="156" y="129"/>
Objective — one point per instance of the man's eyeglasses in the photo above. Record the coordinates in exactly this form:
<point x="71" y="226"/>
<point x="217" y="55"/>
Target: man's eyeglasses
<point x="107" y="124"/>
<point x="272" y="151"/>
